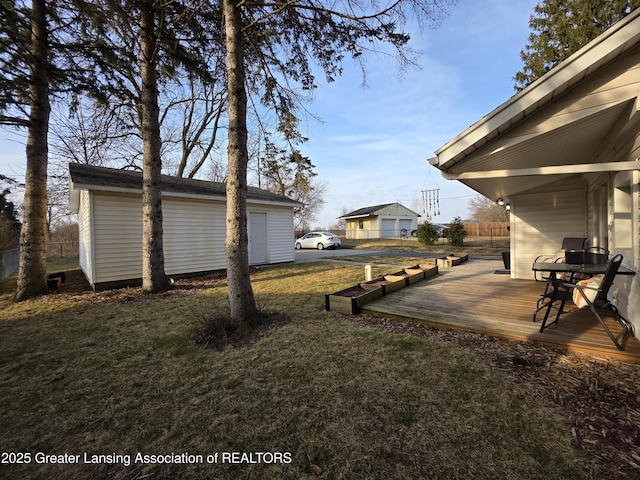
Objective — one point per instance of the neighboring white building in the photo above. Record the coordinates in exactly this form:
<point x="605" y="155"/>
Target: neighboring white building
<point x="564" y="154"/>
<point x="381" y="221"/>
<point x="109" y="207"/>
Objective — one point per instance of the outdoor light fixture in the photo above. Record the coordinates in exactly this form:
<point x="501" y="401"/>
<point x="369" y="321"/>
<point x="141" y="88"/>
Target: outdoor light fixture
<point x="500" y="201"/>
<point x="507" y="207"/>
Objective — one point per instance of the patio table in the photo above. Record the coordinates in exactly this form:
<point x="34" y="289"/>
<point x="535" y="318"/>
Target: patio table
<point x="588" y="269"/>
<point x="575" y="269"/>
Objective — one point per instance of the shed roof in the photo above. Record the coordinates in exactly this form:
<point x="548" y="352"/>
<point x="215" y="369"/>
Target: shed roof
<point x="372" y="211"/>
<point x="88" y="177"/>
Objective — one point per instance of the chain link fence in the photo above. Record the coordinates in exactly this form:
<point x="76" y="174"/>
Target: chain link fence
<point x="10" y="262"/>
<point x="62" y="249"/>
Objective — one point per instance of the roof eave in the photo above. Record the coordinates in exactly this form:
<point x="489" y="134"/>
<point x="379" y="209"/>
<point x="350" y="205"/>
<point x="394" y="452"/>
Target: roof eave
<point x="589" y="58"/>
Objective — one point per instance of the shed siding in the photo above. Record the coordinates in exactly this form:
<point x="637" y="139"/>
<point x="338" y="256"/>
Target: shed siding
<point x="540" y="221"/>
<point x="193" y="235"/>
<point x="386" y="223"/>
<point x="85" y="236"/>
<point x="371" y="228"/>
<point x="117" y="237"/>
<point x="280" y="235"/>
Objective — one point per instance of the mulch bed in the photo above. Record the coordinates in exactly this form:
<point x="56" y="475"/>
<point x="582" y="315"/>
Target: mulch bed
<point x="77" y="287"/>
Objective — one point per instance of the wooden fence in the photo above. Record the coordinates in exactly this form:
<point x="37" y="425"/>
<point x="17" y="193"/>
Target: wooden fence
<point x="494" y="229"/>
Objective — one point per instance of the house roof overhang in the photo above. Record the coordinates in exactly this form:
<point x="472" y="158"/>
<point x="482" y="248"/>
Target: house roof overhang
<point x="519" y="146"/>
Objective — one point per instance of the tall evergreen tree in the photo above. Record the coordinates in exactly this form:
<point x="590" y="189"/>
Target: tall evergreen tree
<point x="40" y="55"/>
<point x="272" y="47"/>
<point x="562" y="27"/>
<point x="149" y="43"/>
<point x="24" y="102"/>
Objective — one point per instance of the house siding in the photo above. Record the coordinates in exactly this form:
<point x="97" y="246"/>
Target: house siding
<point x="540" y="221"/>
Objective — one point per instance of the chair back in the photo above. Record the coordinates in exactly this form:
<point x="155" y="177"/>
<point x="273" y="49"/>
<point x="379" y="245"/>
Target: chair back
<point x="573" y="243"/>
<point x="607" y="280"/>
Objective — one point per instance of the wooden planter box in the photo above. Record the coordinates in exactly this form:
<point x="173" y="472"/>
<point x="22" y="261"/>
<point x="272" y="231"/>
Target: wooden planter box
<point x="457" y="259"/>
<point x="414" y="274"/>
<point x="386" y="282"/>
<point x="394" y="282"/>
<point x="429" y="270"/>
<point x="397" y="277"/>
<point x="350" y="300"/>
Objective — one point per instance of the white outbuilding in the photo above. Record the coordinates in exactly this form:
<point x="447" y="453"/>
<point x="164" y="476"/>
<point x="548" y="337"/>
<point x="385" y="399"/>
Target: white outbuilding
<point x="389" y="220"/>
<point x="109" y="206"/>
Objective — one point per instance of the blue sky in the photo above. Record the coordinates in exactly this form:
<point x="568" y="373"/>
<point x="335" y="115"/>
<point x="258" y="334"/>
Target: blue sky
<point x="373" y="143"/>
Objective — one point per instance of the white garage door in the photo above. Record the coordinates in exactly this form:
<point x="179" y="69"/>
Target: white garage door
<point x="388" y="228"/>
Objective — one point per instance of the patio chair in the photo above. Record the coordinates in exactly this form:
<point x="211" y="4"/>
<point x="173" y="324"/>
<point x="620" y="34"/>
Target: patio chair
<point x="568" y="244"/>
<point x="592" y="293"/>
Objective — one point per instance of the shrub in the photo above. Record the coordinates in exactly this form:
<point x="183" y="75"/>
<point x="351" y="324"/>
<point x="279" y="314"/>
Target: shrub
<point x="427" y="233"/>
<point x="457" y="233"/>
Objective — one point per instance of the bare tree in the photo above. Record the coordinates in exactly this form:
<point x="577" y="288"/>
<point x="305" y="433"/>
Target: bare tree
<point x="484" y="210"/>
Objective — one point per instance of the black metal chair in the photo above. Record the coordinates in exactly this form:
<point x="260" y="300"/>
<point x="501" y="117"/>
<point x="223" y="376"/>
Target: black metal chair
<point x="563" y="292"/>
<point x="569" y="244"/>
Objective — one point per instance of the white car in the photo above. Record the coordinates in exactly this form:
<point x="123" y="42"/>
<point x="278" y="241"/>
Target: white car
<point x="319" y="240"/>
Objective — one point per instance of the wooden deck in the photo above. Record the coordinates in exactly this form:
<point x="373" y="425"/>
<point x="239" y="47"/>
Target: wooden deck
<point x="472" y="297"/>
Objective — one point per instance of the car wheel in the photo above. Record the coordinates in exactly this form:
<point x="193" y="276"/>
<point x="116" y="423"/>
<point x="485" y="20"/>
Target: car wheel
<point x="298" y="246"/>
<point x="320" y="246"/>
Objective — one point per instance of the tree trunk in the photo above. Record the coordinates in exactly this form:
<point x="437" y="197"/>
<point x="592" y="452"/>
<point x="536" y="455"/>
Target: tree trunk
<point x="32" y="278"/>
<point x="241" y="299"/>
<point x="153" y="276"/>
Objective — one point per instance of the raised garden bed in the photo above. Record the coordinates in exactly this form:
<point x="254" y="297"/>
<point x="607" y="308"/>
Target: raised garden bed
<point x="457" y="259"/>
<point x="429" y="269"/>
<point x="388" y="283"/>
<point x="349" y="300"/>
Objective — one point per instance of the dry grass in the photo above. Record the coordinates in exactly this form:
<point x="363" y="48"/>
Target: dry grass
<point x="118" y="374"/>
<point x="472" y="245"/>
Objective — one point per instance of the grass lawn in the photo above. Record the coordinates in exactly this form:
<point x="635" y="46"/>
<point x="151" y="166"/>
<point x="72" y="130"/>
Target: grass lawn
<point x="117" y="375"/>
<point x="472" y="245"/>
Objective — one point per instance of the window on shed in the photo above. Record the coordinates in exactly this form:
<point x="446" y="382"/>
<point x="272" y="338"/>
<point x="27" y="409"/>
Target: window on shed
<point x="361" y="224"/>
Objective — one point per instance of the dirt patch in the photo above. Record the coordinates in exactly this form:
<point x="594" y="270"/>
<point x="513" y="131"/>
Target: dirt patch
<point x="354" y="291"/>
<point x="600" y="398"/>
<point x="76" y="287"/>
<point x="218" y="332"/>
